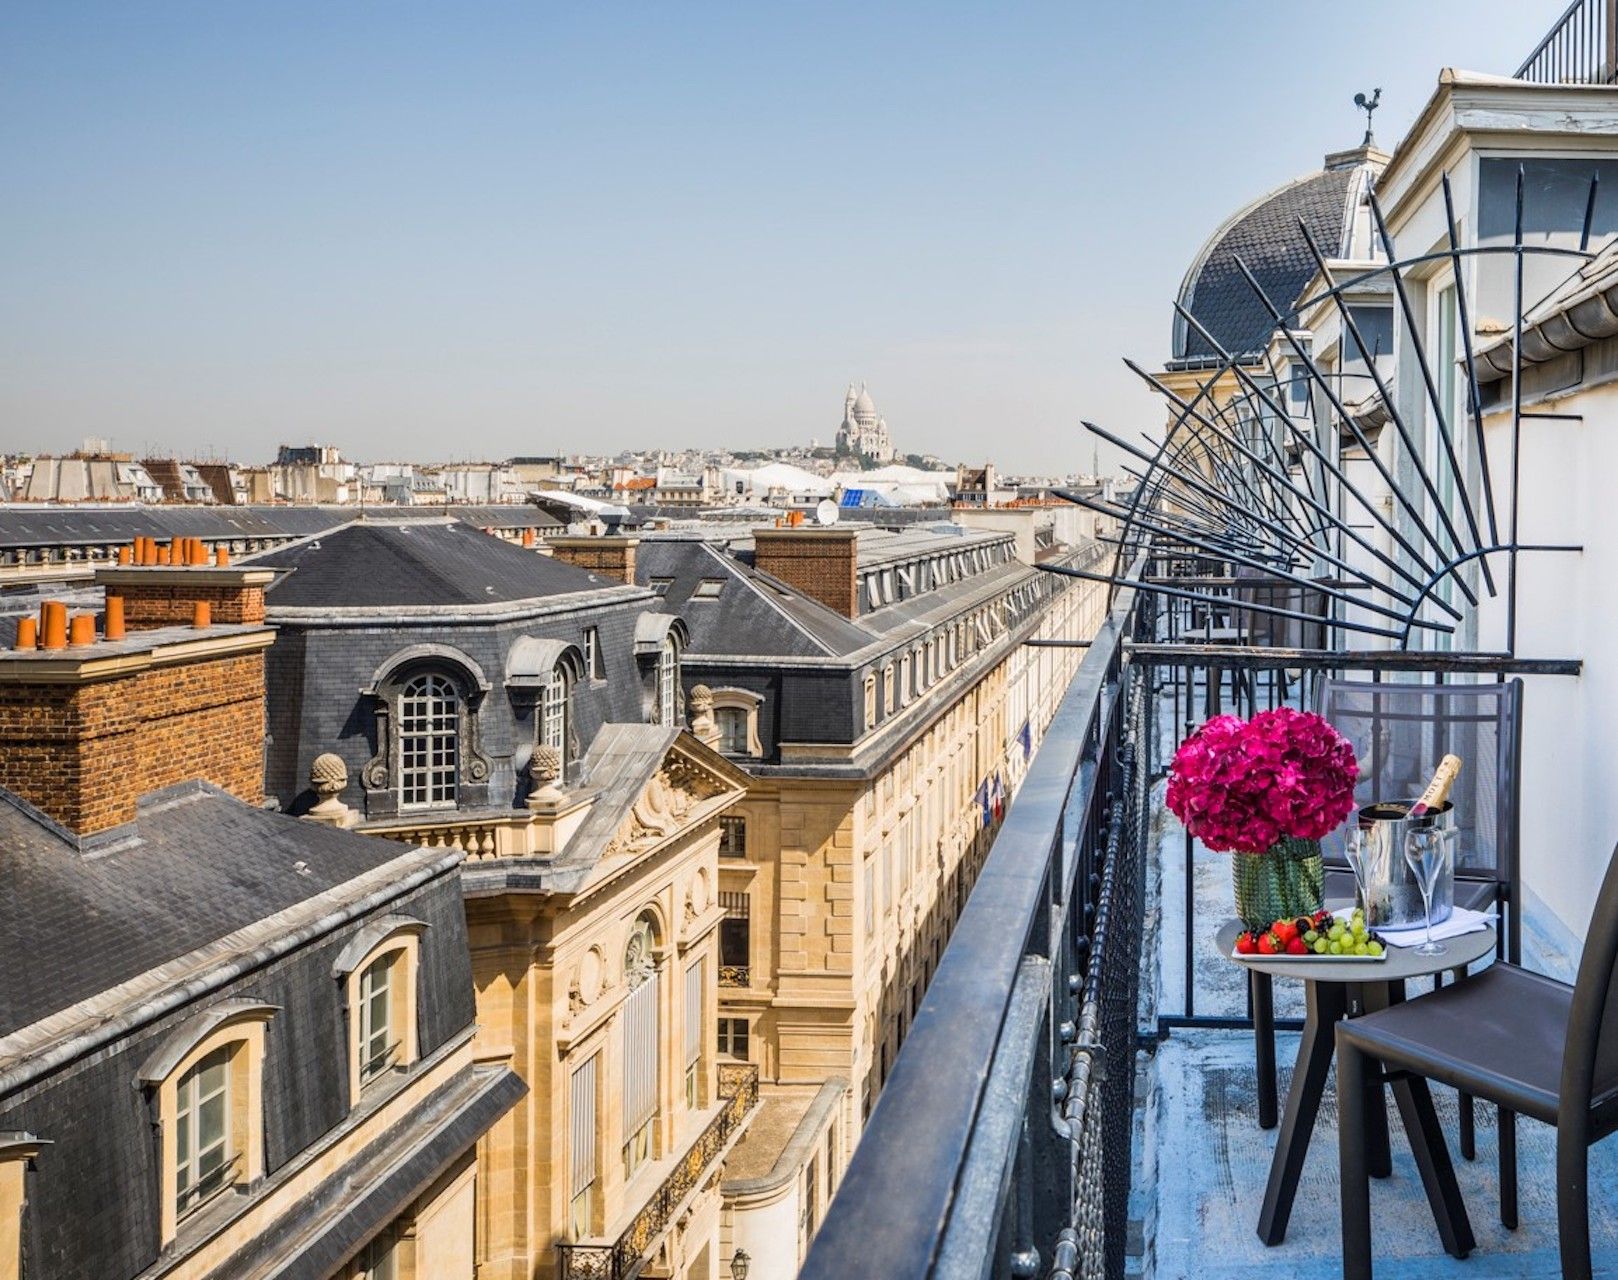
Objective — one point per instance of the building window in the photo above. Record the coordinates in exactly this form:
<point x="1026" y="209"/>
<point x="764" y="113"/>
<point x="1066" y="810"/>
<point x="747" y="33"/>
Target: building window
<point x="553" y="712"/>
<point x="640" y="1032"/>
<point x="378" y="970"/>
<point x="594" y="665"/>
<point x="583" y="1099"/>
<point x="732" y="722"/>
<point x="379" y="1260"/>
<point x="205" y="1157"/>
<point x="708" y="589"/>
<point x="660" y="586"/>
<point x="870" y="702"/>
<point x="891" y="689"/>
<point x="733" y="1038"/>
<point x="695" y="984"/>
<point x="732" y="836"/>
<point x="429" y="732"/>
<point x="735" y="941"/>
<point x="668" y="682"/>
<point x="870" y="899"/>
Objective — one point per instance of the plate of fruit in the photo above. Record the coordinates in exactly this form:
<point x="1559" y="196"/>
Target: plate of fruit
<point x="1322" y="936"/>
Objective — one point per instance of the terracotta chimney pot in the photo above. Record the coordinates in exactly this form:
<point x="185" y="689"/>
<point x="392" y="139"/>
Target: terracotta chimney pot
<point x="164" y="555"/>
<point x="201" y="615"/>
<point x="221" y="555"/>
<point x="27" y="634"/>
<point x="81" y="630"/>
<point x="115" y="618"/>
<point x="126" y="555"/>
<point x="55" y="624"/>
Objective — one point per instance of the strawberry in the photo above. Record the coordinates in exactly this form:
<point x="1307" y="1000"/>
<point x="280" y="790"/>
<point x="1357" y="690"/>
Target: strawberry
<point x="1285" y="930"/>
<point x="1269" y="944"/>
<point x="1297" y="947"/>
<point x="1246" y="944"/>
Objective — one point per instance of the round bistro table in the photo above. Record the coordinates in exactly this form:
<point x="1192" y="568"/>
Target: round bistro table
<point x="1333" y="990"/>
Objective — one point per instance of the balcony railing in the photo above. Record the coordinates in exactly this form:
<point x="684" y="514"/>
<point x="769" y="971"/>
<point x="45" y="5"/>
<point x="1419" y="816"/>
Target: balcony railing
<point x="1582" y="48"/>
<point x="1000" y="1145"/>
<point x="625" y="1258"/>
<point x="735" y="975"/>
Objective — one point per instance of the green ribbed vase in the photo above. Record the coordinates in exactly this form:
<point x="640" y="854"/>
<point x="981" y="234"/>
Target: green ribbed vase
<point x="1288" y="879"/>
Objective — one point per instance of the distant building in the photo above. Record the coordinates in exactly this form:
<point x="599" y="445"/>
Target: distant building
<point x="88" y="477"/>
<point x="864" y="431"/>
<point x="180" y="481"/>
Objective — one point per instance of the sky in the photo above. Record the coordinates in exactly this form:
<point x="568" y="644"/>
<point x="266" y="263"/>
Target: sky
<point x="462" y="231"/>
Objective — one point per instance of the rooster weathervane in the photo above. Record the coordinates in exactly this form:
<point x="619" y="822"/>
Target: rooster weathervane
<point x="1368" y="105"/>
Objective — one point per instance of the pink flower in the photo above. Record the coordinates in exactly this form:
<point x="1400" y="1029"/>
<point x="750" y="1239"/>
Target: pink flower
<point x="1241" y="786"/>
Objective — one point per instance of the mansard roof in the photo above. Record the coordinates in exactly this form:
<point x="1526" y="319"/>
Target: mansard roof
<point x="198" y="880"/>
<point x="386" y="564"/>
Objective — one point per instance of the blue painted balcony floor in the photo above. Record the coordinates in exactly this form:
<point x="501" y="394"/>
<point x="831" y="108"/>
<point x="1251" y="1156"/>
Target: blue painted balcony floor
<point x="1202" y="1161"/>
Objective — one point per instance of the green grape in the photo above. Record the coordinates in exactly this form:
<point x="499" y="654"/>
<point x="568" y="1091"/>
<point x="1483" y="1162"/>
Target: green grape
<point x="1374" y="947"/>
<point x="1361" y="948"/>
<point x="1320" y="945"/>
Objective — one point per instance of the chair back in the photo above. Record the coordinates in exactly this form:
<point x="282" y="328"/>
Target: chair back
<point x="1590" y="1055"/>
<point x="1401" y="731"/>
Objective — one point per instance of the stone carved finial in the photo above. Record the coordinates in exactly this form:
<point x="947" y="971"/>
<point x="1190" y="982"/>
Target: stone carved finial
<point x="703" y="725"/>
<point x="544" y="769"/>
<point x="328" y="776"/>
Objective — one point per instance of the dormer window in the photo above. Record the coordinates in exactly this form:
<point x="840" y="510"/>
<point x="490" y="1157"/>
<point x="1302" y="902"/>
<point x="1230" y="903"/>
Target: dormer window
<point x="204" y="1153"/>
<point x="429" y="742"/>
<point x="668" y="682"/>
<point x="554" y="710"/>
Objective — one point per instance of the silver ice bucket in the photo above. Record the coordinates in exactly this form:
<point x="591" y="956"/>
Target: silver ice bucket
<point x="1390" y="893"/>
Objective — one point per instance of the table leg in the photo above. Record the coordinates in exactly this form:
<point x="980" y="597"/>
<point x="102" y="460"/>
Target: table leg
<point x="1262" y="990"/>
<point x="1326" y="1004"/>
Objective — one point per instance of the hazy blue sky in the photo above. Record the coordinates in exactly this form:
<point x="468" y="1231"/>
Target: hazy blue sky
<point x="475" y="229"/>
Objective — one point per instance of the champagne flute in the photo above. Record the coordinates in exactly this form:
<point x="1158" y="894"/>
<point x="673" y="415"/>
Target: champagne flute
<point x="1356" y="841"/>
<point x="1426" y="849"/>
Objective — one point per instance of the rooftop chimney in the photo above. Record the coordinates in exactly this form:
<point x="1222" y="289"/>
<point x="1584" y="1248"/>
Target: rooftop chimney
<point x="167" y="595"/>
<point x="610" y="556"/>
<point x="90" y="726"/>
<point x="820" y="562"/>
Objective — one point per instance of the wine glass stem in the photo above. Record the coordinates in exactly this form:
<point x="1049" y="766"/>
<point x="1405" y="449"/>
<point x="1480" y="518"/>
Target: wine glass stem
<point x="1427" y="912"/>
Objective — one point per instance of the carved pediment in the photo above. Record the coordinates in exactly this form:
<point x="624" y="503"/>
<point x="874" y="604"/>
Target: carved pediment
<point x="677" y="795"/>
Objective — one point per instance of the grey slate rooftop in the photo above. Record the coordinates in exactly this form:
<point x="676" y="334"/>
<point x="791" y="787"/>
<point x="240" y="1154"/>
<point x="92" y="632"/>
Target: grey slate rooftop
<point x="35" y="524"/>
<point x="196" y="865"/>
<point x="1266" y="237"/>
<point x="392" y="564"/>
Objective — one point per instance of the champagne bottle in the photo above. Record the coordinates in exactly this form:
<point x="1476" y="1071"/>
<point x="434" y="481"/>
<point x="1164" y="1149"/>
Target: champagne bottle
<point x="1438" y="789"/>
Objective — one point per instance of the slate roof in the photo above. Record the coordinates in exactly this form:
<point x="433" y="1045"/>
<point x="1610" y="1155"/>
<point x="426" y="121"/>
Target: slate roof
<point x="35" y="524"/>
<point x="750" y="615"/>
<point x="1266" y="237"/>
<point x="204" y="865"/>
<point x="395" y="564"/>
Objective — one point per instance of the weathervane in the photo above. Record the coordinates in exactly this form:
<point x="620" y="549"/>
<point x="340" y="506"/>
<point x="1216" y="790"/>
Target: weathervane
<point x="1368" y="105"/>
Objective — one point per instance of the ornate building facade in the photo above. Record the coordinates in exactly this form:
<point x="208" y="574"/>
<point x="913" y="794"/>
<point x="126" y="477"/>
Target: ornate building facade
<point x="231" y="1043"/>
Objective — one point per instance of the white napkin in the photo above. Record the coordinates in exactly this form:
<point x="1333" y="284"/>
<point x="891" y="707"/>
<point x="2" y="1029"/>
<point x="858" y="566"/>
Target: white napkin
<point x="1461" y="920"/>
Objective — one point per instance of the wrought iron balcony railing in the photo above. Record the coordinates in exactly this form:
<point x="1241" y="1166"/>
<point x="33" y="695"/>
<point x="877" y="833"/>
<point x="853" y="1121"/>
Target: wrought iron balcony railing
<point x="627" y="1256"/>
<point x="1000" y="1145"/>
<point x="1582" y="48"/>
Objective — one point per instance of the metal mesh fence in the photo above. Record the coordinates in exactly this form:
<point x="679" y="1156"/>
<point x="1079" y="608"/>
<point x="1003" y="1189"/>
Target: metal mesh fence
<point x="1101" y="1083"/>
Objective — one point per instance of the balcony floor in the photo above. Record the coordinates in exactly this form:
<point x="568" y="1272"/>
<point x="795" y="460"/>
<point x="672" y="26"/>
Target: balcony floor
<point x="1202" y="1161"/>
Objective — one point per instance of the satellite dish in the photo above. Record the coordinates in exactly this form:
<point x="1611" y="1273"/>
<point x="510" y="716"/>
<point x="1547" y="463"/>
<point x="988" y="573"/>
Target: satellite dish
<point x="826" y="512"/>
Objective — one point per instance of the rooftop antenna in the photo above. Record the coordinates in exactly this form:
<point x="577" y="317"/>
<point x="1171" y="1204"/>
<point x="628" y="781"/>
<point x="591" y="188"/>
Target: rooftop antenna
<point x="1368" y="105"/>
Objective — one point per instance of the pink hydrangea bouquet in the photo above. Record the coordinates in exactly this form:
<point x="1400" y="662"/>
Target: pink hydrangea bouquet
<point x="1241" y="786"/>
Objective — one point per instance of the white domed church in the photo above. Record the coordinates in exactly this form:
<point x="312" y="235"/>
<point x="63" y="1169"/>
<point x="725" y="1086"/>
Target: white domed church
<point x="863" y="431"/>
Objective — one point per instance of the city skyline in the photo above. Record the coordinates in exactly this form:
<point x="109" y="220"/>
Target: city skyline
<point x="531" y="231"/>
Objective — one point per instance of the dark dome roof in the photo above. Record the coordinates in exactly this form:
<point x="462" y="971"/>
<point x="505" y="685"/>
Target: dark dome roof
<point x="1266" y="237"/>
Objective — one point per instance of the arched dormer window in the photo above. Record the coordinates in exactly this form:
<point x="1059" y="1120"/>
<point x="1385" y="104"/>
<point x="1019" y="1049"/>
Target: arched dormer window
<point x="429" y="742"/>
<point x="428" y="754"/>
<point x="668" y="682"/>
<point x="206" y="1081"/>
<point x="555" y="709"/>
<point x="378" y="970"/>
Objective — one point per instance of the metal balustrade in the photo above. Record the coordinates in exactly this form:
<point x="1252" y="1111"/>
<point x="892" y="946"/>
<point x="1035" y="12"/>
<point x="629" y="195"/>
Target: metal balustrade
<point x="1581" y="48"/>
<point x="1000" y="1145"/>
<point x="627" y="1256"/>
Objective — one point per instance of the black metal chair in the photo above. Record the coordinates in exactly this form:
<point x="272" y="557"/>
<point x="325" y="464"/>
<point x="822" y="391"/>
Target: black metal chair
<point x="1528" y="1043"/>
<point x="1400" y="732"/>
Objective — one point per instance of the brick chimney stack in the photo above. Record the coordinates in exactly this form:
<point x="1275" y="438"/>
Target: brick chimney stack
<point x="88" y="728"/>
<point x="611" y="556"/>
<point x="820" y="562"/>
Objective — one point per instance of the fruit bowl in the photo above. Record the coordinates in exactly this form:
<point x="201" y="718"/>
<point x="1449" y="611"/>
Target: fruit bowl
<point x="1322" y="936"/>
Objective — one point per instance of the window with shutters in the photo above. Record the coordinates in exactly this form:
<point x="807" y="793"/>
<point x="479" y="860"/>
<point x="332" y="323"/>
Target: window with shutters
<point x="732" y="836"/>
<point x="640" y="1029"/>
<point x="694" y="1023"/>
<point x="582" y="1100"/>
